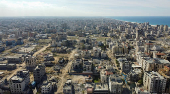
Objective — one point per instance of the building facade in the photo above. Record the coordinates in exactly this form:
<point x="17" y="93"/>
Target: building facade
<point x="19" y="82"/>
<point x="115" y="84"/>
<point x="38" y="73"/>
<point x="154" y="82"/>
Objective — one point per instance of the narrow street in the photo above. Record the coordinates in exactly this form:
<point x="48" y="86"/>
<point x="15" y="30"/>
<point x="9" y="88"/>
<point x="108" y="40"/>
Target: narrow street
<point x="113" y="59"/>
<point x="65" y="73"/>
<point x="23" y="64"/>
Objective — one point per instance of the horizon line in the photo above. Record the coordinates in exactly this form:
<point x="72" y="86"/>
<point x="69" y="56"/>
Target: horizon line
<point x="83" y="16"/>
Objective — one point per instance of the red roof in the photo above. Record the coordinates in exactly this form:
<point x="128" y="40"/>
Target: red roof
<point x="149" y="43"/>
<point x="160" y="54"/>
<point x="109" y="73"/>
<point x="89" y="90"/>
<point x="141" y="89"/>
<point x="99" y="67"/>
<point x="147" y="53"/>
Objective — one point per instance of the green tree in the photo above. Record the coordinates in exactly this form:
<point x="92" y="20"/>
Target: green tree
<point x="140" y="82"/>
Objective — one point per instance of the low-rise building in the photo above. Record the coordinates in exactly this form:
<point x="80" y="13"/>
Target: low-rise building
<point x="96" y="52"/>
<point x="4" y="87"/>
<point x="101" y="88"/>
<point x="7" y="66"/>
<point x="86" y="54"/>
<point x="103" y="54"/>
<point x="49" y="57"/>
<point x="61" y="36"/>
<point x="134" y="75"/>
<point x="139" y="90"/>
<point x="46" y="87"/>
<point x="15" y="59"/>
<point x="68" y="87"/>
<point x="2" y="48"/>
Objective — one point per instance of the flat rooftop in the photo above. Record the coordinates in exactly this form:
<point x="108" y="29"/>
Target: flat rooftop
<point x="26" y="49"/>
<point x="154" y="74"/>
<point x="100" y="86"/>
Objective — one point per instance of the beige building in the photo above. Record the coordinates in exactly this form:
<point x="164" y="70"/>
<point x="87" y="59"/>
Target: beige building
<point x="30" y="62"/>
<point x="119" y="49"/>
<point x="165" y="28"/>
<point x="154" y="64"/>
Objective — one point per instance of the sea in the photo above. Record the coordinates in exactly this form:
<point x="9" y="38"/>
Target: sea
<point x="153" y="20"/>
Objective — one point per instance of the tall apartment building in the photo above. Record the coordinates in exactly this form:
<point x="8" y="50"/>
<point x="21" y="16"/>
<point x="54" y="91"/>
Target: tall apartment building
<point x="38" y="73"/>
<point x="125" y="65"/>
<point x="115" y="84"/>
<point x="165" y="28"/>
<point x="19" y="82"/>
<point x="120" y="49"/>
<point x="154" y="82"/>
<point x="61" y="36"/>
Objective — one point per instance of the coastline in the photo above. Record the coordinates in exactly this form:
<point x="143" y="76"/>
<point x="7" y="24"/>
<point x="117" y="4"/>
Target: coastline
<point x="141" y="22"/>
<point x="153" y="25"/>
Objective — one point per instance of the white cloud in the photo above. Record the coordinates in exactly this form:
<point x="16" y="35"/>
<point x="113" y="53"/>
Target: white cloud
<point x="84" y="8"/>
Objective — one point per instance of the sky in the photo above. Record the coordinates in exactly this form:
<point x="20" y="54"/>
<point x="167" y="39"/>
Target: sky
<point x="84" y="8"/>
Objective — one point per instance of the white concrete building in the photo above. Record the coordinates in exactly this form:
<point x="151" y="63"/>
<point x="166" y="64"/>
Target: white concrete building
<point x="19" y="82"/>
<point x="103" y="76"/>
<point x="115" y="84"/>
<point x="154" y="82"/>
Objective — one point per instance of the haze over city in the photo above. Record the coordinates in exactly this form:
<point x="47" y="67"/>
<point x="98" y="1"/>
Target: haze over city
<point x="84" y="8"/>
<point x="84" y="47"/>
